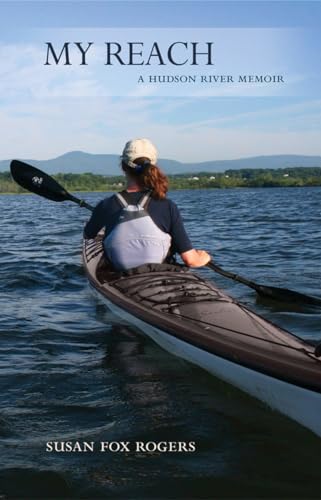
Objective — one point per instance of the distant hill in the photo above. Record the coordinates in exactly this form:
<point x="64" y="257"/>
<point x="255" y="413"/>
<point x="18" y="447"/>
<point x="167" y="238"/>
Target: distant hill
<point x="108" y="164"/>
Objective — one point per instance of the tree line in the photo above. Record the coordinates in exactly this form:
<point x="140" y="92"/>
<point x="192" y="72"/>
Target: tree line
<point x="285" y="177"/>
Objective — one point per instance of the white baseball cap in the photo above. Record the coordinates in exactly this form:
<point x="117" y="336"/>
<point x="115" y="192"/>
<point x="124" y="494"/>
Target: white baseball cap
<point x="139" y="148"/>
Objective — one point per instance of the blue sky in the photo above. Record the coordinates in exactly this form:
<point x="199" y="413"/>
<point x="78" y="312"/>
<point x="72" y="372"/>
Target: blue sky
<point x="255" y="13"/>
<point x="46" y="113"/>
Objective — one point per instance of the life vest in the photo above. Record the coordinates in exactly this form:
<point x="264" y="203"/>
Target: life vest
<point x="136" y="239"/>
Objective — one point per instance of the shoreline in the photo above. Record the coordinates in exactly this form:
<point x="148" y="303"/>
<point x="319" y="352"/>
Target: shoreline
<point x="200" y="188"/>
<point x="230" y="179"/>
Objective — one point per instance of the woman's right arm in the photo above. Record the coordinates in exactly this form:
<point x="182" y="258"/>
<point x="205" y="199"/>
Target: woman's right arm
<point x="182" y="244"/>
<point x="195" y="258"/>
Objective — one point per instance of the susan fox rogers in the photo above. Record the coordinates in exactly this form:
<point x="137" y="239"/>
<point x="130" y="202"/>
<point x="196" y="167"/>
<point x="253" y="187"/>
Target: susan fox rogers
<point x="121" y="446"/>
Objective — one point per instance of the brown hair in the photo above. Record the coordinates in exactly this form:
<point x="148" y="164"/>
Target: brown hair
<point x="148" y="176"/>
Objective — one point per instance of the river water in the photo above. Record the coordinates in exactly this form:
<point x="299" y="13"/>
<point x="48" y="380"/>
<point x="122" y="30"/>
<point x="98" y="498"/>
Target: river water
<point x="71" y="370"/>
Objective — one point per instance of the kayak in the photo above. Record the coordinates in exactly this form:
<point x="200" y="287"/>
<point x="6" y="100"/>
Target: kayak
<point x="193" y="319"/>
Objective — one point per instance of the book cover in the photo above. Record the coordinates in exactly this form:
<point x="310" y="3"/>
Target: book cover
<point x="229" y="92"/>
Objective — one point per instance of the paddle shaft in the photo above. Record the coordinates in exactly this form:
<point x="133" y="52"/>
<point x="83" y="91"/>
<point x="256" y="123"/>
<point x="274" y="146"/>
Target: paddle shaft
<point x="233" y="276"/>
<point x="81" y="203"/>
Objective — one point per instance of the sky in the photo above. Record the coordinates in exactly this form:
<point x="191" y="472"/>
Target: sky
<point x="47" y="110"/>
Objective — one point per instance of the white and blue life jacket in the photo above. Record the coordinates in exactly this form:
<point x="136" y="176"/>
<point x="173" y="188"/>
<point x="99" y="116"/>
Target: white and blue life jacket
<point x="136" y="239"/>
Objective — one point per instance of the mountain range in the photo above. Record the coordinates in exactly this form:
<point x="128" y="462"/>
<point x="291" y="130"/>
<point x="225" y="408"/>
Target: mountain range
<point x="108" y="164"/>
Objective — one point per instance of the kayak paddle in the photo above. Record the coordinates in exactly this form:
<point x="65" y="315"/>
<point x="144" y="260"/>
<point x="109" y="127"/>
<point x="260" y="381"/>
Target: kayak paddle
<point x="270" y="292"/>
<point x="38" y="182"/>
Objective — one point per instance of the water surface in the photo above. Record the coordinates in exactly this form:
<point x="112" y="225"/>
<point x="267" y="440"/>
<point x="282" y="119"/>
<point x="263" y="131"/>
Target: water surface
<point x="71" y="370"/>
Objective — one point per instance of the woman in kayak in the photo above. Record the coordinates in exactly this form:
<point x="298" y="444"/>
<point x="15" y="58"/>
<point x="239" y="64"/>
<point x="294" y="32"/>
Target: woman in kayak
<point x="141" y="225"/>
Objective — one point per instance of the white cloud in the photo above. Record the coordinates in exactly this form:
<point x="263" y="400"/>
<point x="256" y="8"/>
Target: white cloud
<point x="23" y="73"/>
<point x="298" y="115"/>
<point x="46" y="128"/>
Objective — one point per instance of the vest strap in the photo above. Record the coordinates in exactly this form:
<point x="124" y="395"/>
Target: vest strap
<point x="122" y="200"/>
<point x="144" y="199"/>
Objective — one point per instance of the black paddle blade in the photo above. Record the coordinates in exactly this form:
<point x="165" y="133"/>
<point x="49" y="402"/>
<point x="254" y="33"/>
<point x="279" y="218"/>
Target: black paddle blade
<point x="38" y="182"/>
<point x="285" y="295"/>
<point x="269" y="292"/>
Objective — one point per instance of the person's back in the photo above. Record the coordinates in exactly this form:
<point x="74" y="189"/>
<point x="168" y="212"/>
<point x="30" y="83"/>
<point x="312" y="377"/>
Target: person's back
<point x="141" y="224"/>
<point x="136" y="239"/>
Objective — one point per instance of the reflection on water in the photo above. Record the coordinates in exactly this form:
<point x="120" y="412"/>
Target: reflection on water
<point x="71" y="370"/>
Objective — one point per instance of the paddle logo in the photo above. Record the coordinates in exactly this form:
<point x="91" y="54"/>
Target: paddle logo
<point x="37" y="181"/>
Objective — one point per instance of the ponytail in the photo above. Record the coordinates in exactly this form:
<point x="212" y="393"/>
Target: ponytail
<point x="153" y="178"/>
<point x="149" y="176"/>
